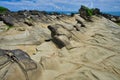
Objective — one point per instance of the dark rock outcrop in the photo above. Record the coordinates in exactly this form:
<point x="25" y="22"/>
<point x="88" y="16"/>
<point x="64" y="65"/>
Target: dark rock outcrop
<point x="9" y="20"/>
<point x="80" y="22"/>
<point x="96" y="11"/>
<point x="86" y="13"/>
<point x="59" y="35"/>
<point x="19" y="63"/>
<point x="28" y="17"/>
<point x="111" y="17"/>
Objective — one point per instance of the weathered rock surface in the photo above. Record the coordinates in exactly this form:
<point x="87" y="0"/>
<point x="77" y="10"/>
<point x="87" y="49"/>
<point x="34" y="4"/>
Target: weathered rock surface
<point x="94" y="53"/>
<point x="18" y="64"/>
<point x="91" y="52"/>
<point x="3" y="27"/>
<point x="112" y="17"/>
<point x="28" y="18"/>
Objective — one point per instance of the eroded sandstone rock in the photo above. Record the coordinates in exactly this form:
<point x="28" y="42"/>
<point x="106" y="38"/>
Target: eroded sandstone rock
<point x="18" y="64"/>
<point x="87" y="53"/>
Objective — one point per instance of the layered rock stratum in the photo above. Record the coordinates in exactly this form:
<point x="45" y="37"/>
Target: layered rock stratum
<point x="67" y="48"/>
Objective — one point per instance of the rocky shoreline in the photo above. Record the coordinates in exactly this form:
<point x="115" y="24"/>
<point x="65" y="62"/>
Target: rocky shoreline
<point x="30" y="17"/>
<point x="84" y="46"/>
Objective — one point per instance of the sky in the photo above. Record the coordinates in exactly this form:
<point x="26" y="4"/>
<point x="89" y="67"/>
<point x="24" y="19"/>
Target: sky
<point x="60" y="5"/>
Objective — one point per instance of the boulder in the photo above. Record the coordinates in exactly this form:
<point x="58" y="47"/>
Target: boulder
<point x="78" y="18"/>
<point x="58" y="29"/>
<point x="111" y="17"/>
<point x="96" y="11"/>
<point x="86" y="12"/>
<point x="60" y="35"/>
<point x="18" y="64"/>
<point x="83" y="12"/>
<point x="9" y="20"/>
<point x="62" y="41"/>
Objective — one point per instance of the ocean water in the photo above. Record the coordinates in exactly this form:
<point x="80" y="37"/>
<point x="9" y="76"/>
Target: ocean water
<point x="68" y="12"/>
<point x="117" y="13"/>
<point x="63" y="12"/>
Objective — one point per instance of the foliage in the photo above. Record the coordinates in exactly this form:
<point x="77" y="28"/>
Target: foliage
<point x="88" y="10"/>
<point x="3" y="9"/>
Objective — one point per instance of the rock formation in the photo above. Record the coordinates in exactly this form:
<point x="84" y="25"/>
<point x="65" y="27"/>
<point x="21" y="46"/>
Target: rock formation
<point x="86" y="13"/>
<point x="67" y="48"/>
<point x="17" y="64"/>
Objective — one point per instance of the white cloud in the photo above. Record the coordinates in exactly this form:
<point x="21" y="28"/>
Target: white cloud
<point x="60" y="4"/>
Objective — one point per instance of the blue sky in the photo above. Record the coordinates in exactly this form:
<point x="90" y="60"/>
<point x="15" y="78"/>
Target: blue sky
<point x="60" y="5"/>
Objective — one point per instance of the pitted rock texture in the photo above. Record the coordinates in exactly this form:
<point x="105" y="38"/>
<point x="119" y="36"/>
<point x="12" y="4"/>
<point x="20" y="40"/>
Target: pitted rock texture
<point x="88" y="53"/>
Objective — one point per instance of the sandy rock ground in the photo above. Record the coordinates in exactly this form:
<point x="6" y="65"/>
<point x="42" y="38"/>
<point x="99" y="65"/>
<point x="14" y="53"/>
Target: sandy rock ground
<point x="94" y="52"/>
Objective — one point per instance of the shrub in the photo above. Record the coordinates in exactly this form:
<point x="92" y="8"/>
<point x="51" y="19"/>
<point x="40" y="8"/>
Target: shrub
<point x="86" y="10"/>
<point x="89" y="11"/>
<point x="3" y="9"/>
